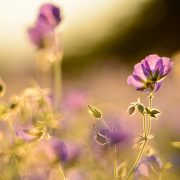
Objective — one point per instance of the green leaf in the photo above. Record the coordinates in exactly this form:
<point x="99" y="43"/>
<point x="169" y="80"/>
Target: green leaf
<point x="152" y="112"/>
<point x="155" y="111"/>
<point x="94" y="112"/>
<point x="131" y="110"/>
<point x="141" y="108"/>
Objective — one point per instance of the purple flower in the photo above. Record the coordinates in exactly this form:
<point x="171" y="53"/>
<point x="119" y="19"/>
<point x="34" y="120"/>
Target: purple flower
<point x="114" y="134"/>
<point x="60" y="149"/>
<point x="149" y="73"/>
<point x="51" y="14"/>
<point x="66" y="152"/>
<point x="149" y="165"/>
<point x="48" y="18"/>
<point x="27" y="132"/>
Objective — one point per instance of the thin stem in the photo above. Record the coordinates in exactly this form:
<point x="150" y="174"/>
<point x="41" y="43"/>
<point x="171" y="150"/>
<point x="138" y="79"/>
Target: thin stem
<point x="115" y="151"/>
<point x="115" y="162"/>
<point x="57" y="83"/>
<point x="62" y="172"/>
<point x="106" y="124"/>
<point x="137" y="159"/>
<point x="146" y="132"/>
<point x="149" y="119"/>
<point x="144" y="125"/>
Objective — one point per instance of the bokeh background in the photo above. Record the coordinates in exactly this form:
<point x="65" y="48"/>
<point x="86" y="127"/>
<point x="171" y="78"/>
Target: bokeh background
<point x="102" y="40"/>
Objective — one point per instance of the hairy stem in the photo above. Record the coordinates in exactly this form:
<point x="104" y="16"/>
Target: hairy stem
<point x="115" y="162"/>
<point x="146" y="133"/>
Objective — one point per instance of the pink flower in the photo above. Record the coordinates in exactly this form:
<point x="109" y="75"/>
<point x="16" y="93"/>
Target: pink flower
<point x="48" y="18"/>
<point x="149" y="73"/>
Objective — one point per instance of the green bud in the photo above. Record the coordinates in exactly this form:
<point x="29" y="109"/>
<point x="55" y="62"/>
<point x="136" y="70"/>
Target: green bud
<point x="131" y="110"/>
<point x="94" y="112"/>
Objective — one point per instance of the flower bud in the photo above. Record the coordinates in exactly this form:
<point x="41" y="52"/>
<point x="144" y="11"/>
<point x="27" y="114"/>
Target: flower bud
<point x="94" y="112"/>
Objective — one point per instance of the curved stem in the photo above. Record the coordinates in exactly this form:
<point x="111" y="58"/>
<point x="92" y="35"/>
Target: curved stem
<point x="137" y="159"/>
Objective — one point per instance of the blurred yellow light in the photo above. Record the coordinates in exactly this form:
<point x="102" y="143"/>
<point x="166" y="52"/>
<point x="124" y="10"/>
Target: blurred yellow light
<point x="86" y="22"/>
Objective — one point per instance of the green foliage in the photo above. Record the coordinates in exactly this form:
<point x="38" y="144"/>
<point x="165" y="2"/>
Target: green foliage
<point x="152" y="112"/>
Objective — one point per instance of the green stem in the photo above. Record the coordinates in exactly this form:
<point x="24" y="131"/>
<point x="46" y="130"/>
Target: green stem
<point x="149" y="119"/>
<point x="106" y="124"/>
<point x="62" y="172"/>
<point x="146" y="132"/>
<point x="144" y="125"/>
<point x="115" y="152"/>
<point x="137" y="159"/>
<point x="115" y="162"/>
<point x="57" y="84"/>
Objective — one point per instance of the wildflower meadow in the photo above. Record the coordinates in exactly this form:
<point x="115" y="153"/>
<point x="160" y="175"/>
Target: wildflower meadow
<point x="79" y="101"/>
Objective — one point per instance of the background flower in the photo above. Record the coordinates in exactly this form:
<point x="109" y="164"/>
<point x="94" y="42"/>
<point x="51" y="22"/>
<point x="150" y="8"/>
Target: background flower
<point x="42" y="33"/>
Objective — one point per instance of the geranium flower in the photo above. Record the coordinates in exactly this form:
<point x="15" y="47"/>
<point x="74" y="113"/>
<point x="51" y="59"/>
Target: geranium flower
<point x="149" y="73"/>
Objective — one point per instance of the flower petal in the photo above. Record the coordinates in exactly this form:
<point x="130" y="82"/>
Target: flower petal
<point x="152" y="60"/>
<point x="157" y="86"/>
<point x="138" y="71"/>
<point x="132" y="81"/>
<point x="159" y="68"/>
<point x="168" y="65"/>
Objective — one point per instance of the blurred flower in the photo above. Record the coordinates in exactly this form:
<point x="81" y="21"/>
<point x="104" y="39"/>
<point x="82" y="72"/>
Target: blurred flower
<point x="66" y="152"/>
<point x="74" y="101"/>
<point x="149" y="73"/>
<point x="115" y="135"/>
<point x="51" y="14"/>
<point x="77" y="175"/>
<point x="26" y="135"/>
<point x="147" y="166"/>
<point x="42" y="32"/>
<point x="60" y="149"/>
